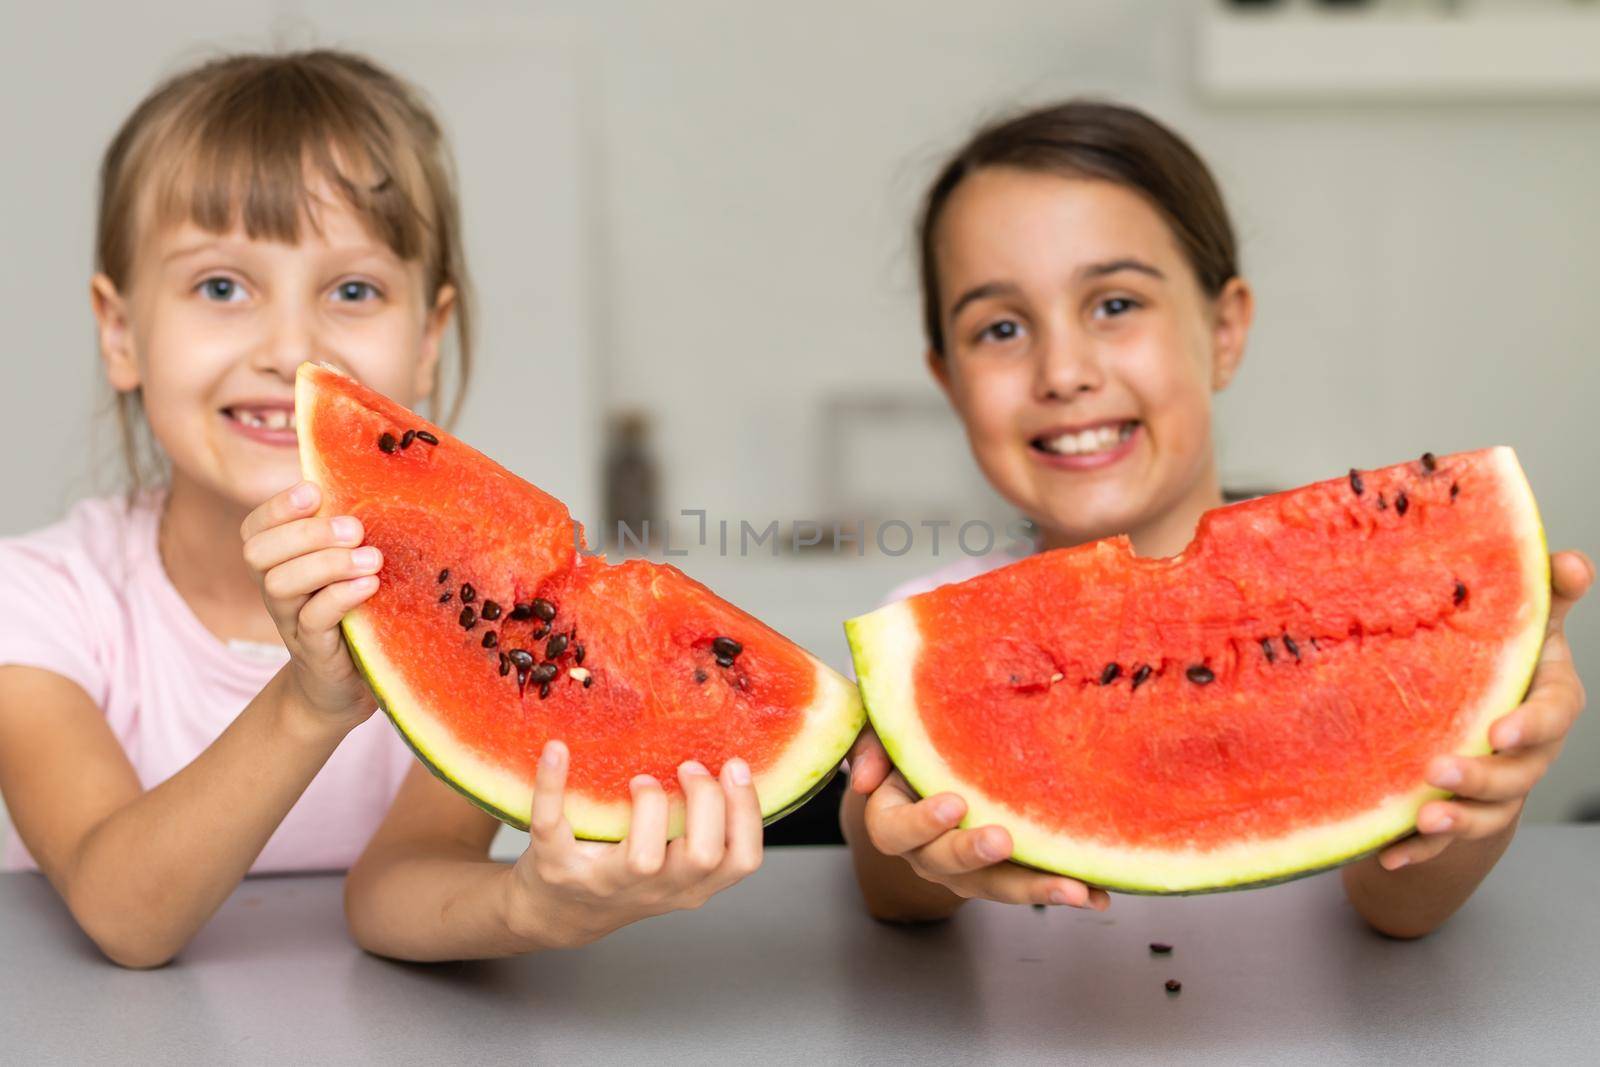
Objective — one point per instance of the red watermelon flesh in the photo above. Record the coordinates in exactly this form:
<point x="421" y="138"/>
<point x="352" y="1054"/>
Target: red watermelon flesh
<point x="1264" y="704"/>
<point x="474" y="554"/>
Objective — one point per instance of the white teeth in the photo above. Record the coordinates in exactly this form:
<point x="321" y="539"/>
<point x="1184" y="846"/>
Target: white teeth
<point x="275" y="419"/>
<point x="1087" y="442"/>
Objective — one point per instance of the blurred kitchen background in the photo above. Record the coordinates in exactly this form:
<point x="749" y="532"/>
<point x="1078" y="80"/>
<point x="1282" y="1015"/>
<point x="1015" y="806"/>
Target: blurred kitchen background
<point x="689" y="223"/>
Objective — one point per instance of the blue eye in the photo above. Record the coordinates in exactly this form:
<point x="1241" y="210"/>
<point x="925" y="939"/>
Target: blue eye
<point x="354" y="292"/>
<point x="222" y="290"/>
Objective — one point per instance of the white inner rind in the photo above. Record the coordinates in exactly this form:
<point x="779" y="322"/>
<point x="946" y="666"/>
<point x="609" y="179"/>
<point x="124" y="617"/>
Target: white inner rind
<point x="885" y="644"/>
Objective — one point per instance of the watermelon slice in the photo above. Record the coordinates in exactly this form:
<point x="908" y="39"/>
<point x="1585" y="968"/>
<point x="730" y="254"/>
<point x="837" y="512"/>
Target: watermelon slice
<point x="491" y="633"/>
<point x="1260" y="706"/>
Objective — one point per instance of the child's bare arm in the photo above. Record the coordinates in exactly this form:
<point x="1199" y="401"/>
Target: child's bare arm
<point x="142" y="870"/>
<point x="1411" y="888"/>
<point x="424" y="889"/>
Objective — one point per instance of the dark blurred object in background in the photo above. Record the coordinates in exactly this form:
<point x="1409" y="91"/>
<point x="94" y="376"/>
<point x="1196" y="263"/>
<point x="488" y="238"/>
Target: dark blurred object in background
<point x="630" y="481"/>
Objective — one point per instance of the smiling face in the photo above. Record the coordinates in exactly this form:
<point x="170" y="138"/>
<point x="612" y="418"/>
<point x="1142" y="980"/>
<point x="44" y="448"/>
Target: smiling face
<point x="212" y="327"/>
<point x="1081" y="354"/>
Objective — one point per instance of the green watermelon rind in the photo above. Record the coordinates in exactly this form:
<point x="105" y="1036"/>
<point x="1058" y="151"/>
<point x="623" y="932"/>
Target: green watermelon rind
<point x="833" y="720"/>
<point x="878" y="648"/>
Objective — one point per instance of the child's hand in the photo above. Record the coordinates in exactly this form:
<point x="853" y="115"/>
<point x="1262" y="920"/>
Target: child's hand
<point x="1490" y="790"/>
<point x="566" y="892"/>
<point x="969" y="863"/>
<point x="311" y="573"/>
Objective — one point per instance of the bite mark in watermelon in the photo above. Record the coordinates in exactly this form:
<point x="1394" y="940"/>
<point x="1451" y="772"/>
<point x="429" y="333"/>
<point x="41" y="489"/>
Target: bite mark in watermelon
<point x="634" y="666"/>
<point x="1261" y="706"/>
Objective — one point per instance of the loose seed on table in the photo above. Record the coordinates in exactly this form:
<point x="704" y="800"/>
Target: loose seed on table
<point x="1173" y="985"/>
<point x="1160" y="948"/>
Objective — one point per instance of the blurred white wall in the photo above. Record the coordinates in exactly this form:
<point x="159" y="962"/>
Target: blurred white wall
<point x="746" y="179"/>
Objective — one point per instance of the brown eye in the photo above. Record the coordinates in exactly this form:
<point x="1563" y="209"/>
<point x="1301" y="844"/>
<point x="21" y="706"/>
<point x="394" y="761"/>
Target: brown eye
<point x="1004" y="330"/>
<point x="1114" y="306"/>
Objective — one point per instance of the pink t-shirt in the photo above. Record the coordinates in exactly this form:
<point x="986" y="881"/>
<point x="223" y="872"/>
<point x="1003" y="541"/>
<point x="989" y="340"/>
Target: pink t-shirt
<point x="959" y="571"/>
<point x="89" y="599"/>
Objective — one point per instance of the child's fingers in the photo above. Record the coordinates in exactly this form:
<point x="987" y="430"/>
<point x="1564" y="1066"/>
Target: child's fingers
<point x="1010" y="884"/>
<point x="700" y="850"/>
<point x="1418" y="848"/>
<point x="1571" y="574"/>
<point x="1553" y="704"/>
<point x="1470" y="819"/>
<point x="897" y="822"/>
<point x="1500" y="777"/>
<point x="303" y="576"/>
<point x="320" y="614"/>
<point x="295" y="502"/>
<point x="742" y="849"/>
<point x="547" y="822"/>
<point x="279" y="544"/>
<point x="869" y="763"/>
<point x="644" y="850"/>
<point x="964" y="851"/>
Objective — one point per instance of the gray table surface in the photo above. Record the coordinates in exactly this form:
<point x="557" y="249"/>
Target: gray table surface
<point x="786" y="968"/>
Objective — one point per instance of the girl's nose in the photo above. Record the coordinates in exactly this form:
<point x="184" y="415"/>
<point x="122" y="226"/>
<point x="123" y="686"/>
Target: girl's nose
<point x="1066" y="365"/>
<point x="290" y="342"/>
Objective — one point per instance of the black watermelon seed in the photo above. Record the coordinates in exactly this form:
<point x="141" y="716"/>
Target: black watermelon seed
<point x="1429" y="463"/>
<point x="544" y="690"/>
<point x="1160" y="948"/>
<point x="1401" y="503"/>
<point x="1140" y="675"/>
<point x="521" y="611"/>
<point x="424" y="435"/>
<point x="467" y="617"/>
<point x="700" y="675"/>
<point x="444" y="597"/>
<point x="1294" y="649"/>
<point x="1173" y="985"/>
<point x="491" y="639"/>
<point x="387" y="442"/>
<point x="505" y="665"/>
<point x="556" y="646"/>
<point x="468" y="594"/>
<point x="1383" y="505"/>
<point x="577" y="655"/>
<point x="407" y="437"/>
<point x="1266" y="646"/>
<point x="543" y="608"/>
<point x="491" y="610"/>
<point x="521" y="657"/>
<point x="1109" y="675"/>
<point x="545" y="672"/>
<point x="1200" y="674"/>
<point x="724" y="661"/>
<point x="587" y="682"/>
<point x="540" y="630"/>
<point x="522" y="679"/>
<point x="726" y="646"/>
<point x="1455" y="490"/>
<point x="1357" y="486"/>
<point x="444" y="576"/>
<point x="1460" y="593"/>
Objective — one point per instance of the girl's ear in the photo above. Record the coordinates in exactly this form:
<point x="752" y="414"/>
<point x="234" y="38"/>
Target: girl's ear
<point x="116" y="340"/>
<point x="444" y="306"/>
<point x="1235" y="307"/>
